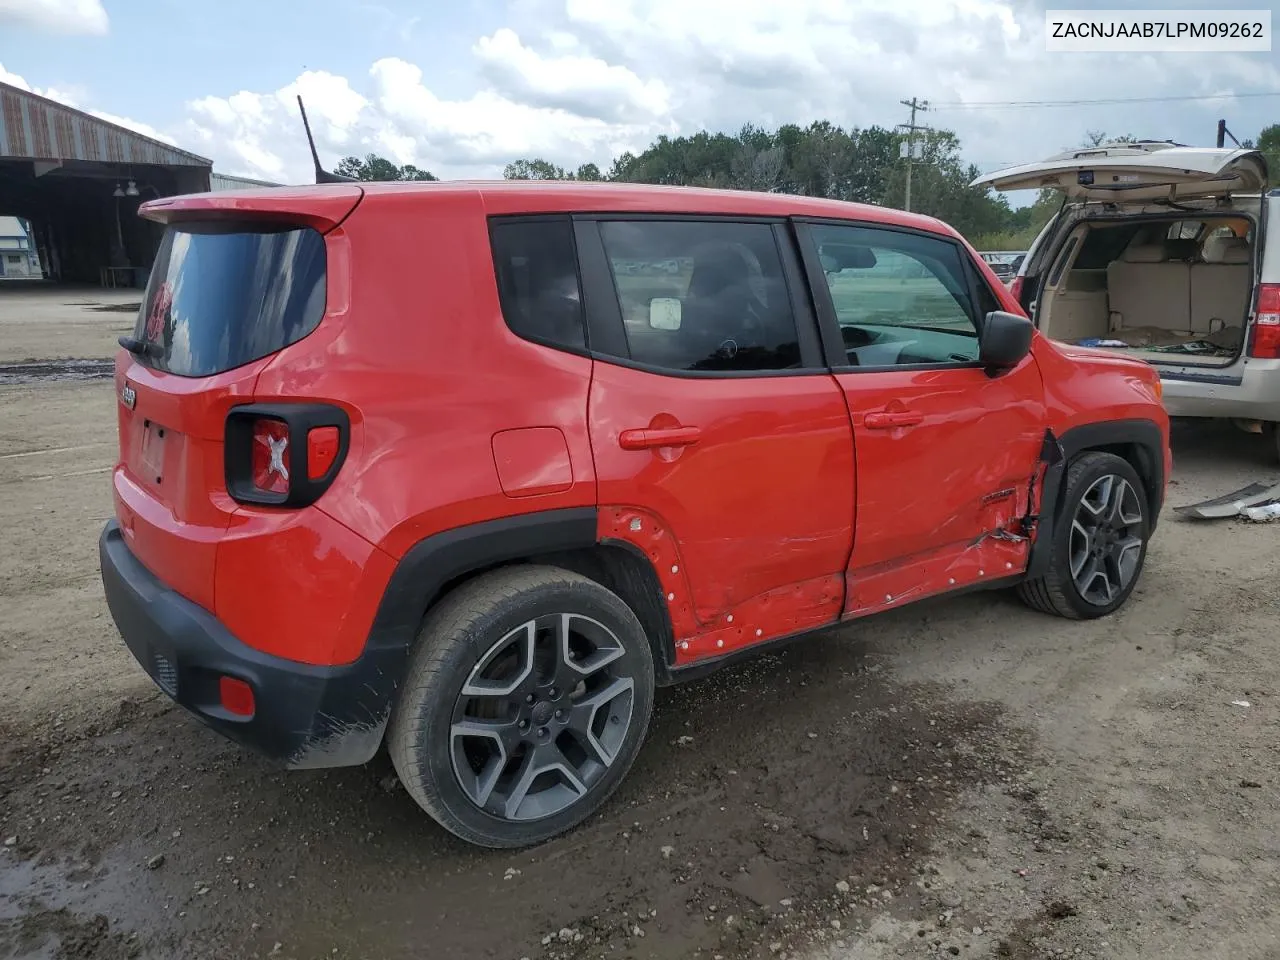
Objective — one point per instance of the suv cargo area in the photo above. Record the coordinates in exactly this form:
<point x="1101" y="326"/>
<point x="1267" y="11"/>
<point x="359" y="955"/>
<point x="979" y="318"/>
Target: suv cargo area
<point x="1165" y="291"/>
<point x="1166" y="254"/>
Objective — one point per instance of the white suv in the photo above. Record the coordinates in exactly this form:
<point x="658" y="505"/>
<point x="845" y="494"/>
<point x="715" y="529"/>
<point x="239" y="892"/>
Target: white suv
<point x="1161" y="252"/>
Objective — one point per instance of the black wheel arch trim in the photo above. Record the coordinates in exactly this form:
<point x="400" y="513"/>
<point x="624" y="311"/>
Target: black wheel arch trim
<point x="560" y="537"/>
<point x="1144" y="435"/>
<point x="431" y="565"/>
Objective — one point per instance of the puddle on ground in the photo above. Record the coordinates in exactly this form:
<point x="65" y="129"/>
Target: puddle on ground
<point x="36" y="371"/>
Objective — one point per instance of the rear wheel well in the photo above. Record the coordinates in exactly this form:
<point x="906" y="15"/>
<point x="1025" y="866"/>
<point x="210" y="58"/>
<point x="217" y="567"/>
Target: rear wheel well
<point x="617" y="567"/>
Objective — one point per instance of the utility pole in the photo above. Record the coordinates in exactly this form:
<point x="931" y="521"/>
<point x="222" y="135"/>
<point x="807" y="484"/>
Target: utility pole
<point x="1223" y="133"/>
<point x="911" y="128"/>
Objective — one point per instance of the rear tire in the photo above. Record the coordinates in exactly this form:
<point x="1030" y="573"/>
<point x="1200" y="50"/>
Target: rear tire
<point x="527" y="697"/>
<point x="1099" y="541"/>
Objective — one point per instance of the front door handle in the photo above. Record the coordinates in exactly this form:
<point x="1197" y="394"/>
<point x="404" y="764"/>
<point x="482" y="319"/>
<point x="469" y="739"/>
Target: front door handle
<point x="650" y="438"/>
<point x="888" y="421"/>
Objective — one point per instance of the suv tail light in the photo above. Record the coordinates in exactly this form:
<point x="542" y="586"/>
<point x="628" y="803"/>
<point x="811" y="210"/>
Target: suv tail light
<point x="1016" y="289"/>
<point x="1264" y="338"/>
<point x="284" y="454"/>
<point x="269" y="459"/>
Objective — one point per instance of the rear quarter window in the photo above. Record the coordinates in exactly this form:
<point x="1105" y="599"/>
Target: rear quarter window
<point x="536" y="266"/>
<point x="223" y="295"/>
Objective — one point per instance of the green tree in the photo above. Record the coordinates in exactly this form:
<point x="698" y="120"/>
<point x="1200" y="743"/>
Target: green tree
<point x="824" y="160"/>
<point x="374" y="167"/>
<point x="539" y="169"/>
<point x="940" y="188"/>
<point x="536" y="169"/>
<point x="1096" y="138"/>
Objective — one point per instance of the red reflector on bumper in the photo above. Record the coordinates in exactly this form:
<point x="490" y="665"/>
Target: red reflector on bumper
<point x="236" y="696"/>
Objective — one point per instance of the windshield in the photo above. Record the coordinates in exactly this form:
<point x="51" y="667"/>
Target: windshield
<point x="223" y="295"/>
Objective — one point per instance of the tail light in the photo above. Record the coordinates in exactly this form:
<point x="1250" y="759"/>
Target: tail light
<point x="1015" y="288"/>
<point x="269" y="459"/>
<point x="1264" y="338"/>
<point x="284" y="454"/>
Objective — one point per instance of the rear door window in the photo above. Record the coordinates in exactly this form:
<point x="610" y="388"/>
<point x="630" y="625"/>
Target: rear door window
<point x="223" y="295"/>
<point x="702" y="295"/>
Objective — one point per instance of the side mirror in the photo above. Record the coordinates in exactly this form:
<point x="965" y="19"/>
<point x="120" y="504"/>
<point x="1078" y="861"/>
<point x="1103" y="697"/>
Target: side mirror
<point x="1005" y="341"/>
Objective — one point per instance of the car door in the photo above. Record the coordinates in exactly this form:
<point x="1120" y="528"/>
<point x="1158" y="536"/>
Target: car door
<point x="722" y="446"/>
<point x="945" y="454"/>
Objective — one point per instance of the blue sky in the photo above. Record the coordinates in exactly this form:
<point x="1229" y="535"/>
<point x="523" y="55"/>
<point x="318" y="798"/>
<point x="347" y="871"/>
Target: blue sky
<point x="462" y="88"/>
<point x="203" y="48"/>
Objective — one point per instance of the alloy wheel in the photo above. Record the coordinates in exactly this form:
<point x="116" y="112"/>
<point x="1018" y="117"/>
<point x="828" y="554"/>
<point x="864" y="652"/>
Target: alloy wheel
<point x="1106" y="539"/>
<point x="541" y="717"/>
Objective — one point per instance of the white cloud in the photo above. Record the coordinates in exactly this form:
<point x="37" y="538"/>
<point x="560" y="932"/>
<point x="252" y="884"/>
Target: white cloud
<point x="762" y="62"/>
<point x="400" y="117"/>
<point x="13" y="80"/>
<point x="584" y="80"/>
<point x="587" y="86"/>
<point x="137" y="126"/>
<point x="489" y="128"/>
<point x="57" y="16"/>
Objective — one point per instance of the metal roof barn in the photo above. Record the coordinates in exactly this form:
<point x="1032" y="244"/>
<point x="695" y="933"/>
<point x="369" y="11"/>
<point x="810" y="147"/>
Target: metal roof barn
<point x="79" y="180"/>
<point x="37" y="128"/>
<point x="223" y="181"/>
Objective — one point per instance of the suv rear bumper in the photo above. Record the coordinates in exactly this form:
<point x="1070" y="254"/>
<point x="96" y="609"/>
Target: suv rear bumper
<point x="305" y="716"/>
<point x="1248" y="390"/>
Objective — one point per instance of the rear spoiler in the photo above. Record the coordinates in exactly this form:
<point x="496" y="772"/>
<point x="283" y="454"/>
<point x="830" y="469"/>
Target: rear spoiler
<point x="319" y="207"/>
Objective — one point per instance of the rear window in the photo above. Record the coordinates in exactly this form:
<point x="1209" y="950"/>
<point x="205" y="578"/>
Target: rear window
<point x="222" y="295"/>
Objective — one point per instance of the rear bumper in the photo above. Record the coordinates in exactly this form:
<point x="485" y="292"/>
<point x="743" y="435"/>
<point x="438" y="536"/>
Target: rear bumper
<point x="1248" y="390"/>
<point x="305" y="716"/>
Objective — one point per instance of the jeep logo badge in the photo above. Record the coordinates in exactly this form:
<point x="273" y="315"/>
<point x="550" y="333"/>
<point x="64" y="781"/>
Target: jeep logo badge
<point x="128" y="396"/>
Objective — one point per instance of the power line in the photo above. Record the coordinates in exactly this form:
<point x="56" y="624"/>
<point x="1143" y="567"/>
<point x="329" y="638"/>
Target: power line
<point x="1024" y="104"/>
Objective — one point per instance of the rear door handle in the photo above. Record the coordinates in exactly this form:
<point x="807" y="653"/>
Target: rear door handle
<point x="887" y="421"/>
<point x="649" y="438"/>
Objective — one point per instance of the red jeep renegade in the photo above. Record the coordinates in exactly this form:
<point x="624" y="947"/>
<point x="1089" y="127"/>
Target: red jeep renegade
<point x="473" y="467"/>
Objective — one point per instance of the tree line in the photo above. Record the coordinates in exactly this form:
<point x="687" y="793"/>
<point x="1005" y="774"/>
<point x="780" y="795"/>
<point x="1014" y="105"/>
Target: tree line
<point x="859" y="164"/>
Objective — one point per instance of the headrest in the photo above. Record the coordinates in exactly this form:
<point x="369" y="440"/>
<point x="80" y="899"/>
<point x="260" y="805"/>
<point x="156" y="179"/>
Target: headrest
<point x="717" y="266"/>
<point x="1227" y="250"/>
<point x="1145" y="253"/>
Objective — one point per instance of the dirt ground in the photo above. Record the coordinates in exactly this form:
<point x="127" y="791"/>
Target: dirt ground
<point x="960" y="778"/>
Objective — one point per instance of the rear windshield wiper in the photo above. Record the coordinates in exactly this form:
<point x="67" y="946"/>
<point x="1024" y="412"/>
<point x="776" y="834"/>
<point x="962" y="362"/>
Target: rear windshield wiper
<point x="141" y="348"/>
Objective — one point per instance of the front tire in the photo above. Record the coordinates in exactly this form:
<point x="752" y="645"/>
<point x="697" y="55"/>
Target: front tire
<point x="527" y="698"/>
<point x="1099" y="541"/>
